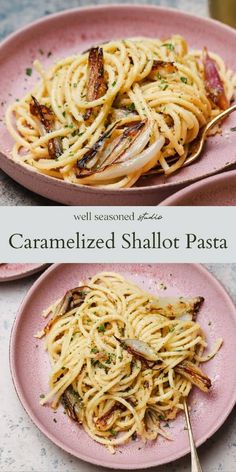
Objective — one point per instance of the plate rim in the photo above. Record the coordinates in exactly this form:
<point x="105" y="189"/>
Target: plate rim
<point x="200" y="184"/>
<point x="103" y="7"/>
<point x="26" y="273"/>
<point x="110" y="464"/>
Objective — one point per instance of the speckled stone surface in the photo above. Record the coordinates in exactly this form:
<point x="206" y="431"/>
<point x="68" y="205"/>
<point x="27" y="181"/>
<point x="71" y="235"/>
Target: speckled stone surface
<point x="15" y="14"/>
<point x="24" y="448"/>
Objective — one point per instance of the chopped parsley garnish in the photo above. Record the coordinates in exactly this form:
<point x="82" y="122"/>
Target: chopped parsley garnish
<point x="233" y="129"/>
<point x="96" y="362"/>
<point x="162" y="417"/>
<point x="131" y="107"/>
<point x="113" y="432"/>
<point x="184" y="80"/>
<point x="42" y="395"/>
<point x="82" y="293"/>
<point x="163" y="286"/>
<point x="169" y="46"/>
<point x="75" y="85"/>
<point x="28" y="71"/>
<point x="110" y="358"/>
<point x="101" y="328"/>
<point x="114" y="83"/>
<point x="64" y="113"/>
<point x="164" y="87"/>
<point x="76" y="132"/>
<point x="94" y="350"/>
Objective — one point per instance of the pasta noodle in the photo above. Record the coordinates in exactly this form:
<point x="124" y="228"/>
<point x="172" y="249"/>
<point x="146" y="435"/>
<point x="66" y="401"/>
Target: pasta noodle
<point x="122" y="359"/>
<point x="116" y="112"/>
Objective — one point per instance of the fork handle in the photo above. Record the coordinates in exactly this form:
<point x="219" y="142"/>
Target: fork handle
<point x="195" y="464"/>
<point x="219" y="117"/>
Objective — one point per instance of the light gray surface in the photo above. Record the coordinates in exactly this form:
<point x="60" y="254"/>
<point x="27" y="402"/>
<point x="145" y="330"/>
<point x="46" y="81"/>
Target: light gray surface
<point x="15" y="14"/>
<point x="24" y="448"/>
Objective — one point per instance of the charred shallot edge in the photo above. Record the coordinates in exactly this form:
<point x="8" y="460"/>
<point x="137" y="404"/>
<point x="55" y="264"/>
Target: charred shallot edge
<point x="159" y="66"/>
<point x="191" y="372"/>
<point x="141" y="351"/>
<point x="47" y="120"/>
<point x="96" y="78"/>
<point x="102" y="43"/>
<point x="91" y="153"/>
<point x="191" y="312"/>
<point x="102" y="422"/>
<point x="73" y="404"/>
<point x="213" y="82"/>
<point x="196" y="307"/>
<point x="116" y="153"/>
<point x="72" y="299"/>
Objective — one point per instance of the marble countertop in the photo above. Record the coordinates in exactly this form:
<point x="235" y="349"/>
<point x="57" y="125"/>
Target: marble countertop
<point x="13" y="15"/>
<point x="23" y="448"/>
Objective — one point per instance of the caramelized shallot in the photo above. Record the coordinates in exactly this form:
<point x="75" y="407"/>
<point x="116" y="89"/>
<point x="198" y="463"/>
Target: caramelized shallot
<point x="142" y="352"/>
<point x="121" y="147"/>
<point x="47" y="119"/>
<point x="72" y="299"/>
<point x="132" y="165"/>
<point x="105" y="421"/>
<point x="161" y="67"/>
<point x="139" y="349"/>
<point x="73" y="404"/>
<point x="115" y="156"/>
<point x="213" y="82"/>
<point x="96" y="80"/>
<point x="183" y="308"/>
<point x="191" y="372"/>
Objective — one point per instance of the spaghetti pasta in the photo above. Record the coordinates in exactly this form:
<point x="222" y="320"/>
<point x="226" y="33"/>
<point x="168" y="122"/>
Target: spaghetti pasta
<point x="117" y="111"/>
<point x="122" y="359"/>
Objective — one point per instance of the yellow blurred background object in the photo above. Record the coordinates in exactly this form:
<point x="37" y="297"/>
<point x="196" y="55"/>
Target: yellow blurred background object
<point x="223" y="10"/>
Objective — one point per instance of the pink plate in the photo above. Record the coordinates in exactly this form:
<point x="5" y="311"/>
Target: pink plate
<point x="75" y="30"/>
<point x="19" y="271"/>
<point x="214" y="191"/>
<point x="30" y="366"/>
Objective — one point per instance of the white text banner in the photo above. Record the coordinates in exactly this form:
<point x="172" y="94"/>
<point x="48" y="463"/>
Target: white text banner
<point x="118" y="234"/>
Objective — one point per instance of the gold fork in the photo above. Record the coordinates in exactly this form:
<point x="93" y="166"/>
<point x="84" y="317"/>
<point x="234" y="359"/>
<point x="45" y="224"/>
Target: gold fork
<point x="146" y="352"/>
<point x="198" y="147"/>
<point x="195" y="464"/>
